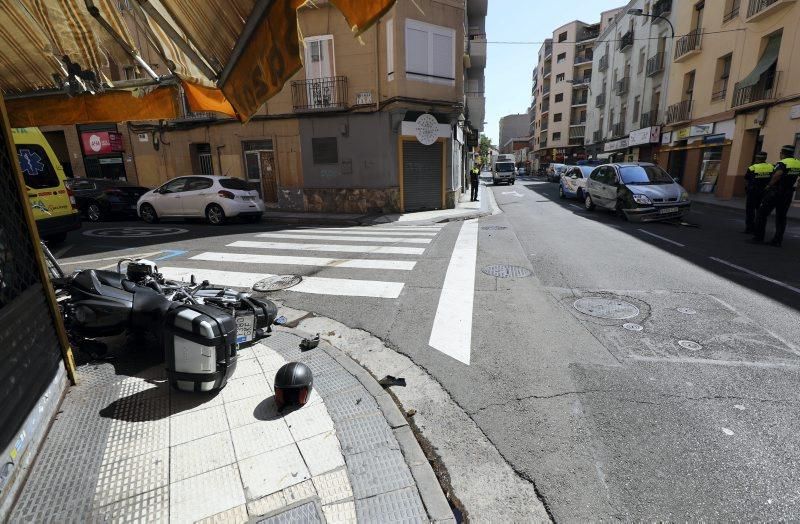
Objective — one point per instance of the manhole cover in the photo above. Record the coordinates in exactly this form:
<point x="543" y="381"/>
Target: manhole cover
<point x="494" y="228"/>
<point x="630" y="326"/>
<point x="277" y="283"/>
<point x="609" y="308"/>
<point x="690" y="345"/>
<point x="506" y="271"/>
<point x="687" y="311"/>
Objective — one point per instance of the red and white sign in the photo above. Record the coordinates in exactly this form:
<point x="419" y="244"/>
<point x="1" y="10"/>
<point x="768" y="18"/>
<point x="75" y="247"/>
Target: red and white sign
<point x="101" y="142"/>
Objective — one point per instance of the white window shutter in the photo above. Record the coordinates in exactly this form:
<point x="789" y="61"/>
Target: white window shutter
<point x="417" y="51"/>
<point x="390" y="47"/>
<point x="442" y="56"/>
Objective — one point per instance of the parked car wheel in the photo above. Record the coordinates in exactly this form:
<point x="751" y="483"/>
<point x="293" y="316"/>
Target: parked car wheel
<point x="589" y="203"/>
<point x="215" y="215"/>
<point x="148" y="214"/>
<point x="94" y="213"/>
<point x="561" y="193"/>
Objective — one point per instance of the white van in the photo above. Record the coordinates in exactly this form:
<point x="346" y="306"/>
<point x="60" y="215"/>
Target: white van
<point x="504" y="171"/>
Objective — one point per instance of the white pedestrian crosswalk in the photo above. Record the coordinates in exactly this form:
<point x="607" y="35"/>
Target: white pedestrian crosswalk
<point x="372" y="268"/>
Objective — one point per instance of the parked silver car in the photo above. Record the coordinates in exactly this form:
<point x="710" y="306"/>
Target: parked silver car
<point x="637" y="191"/>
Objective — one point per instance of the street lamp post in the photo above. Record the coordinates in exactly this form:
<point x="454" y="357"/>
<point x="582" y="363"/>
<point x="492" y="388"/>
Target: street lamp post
<point x="639" y="12"/>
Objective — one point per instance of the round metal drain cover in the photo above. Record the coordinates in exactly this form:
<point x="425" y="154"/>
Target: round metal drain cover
<point x="687" y="311"/>
<point x="610" y="308"/>
<point x="630" y="326"/>
<point x="690" y="345"/>
<point x="494" y="228"/>
<point x="277" y="283"/>
<point x="506" y="271"/>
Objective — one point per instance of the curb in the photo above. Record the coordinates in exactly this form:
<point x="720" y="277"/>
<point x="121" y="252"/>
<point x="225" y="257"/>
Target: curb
<point x="430" y="491"/>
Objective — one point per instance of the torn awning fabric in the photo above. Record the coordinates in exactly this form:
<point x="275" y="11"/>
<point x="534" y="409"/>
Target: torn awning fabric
<point x="230" y="55"/>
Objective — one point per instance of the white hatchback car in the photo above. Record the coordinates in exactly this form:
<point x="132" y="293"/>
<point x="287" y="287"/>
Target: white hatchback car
<point x="215" y="198"/>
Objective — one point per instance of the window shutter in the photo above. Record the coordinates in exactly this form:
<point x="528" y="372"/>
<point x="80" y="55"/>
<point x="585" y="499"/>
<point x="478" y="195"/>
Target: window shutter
<point x="417" y="51"/>
<point x="442" y="56"/>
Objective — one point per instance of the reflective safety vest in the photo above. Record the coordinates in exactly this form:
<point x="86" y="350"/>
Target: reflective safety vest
<point x="763" y="170"/>
<point x="792" y="166"/>
<point x="790" y="175"/>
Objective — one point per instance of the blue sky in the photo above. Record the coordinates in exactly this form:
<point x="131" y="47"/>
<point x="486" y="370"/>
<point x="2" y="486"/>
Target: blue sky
<point x="508" y="68"/>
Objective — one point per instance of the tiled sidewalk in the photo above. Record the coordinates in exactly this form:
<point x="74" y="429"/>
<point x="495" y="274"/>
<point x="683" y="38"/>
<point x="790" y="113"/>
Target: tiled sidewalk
<point x="126" y="447"/>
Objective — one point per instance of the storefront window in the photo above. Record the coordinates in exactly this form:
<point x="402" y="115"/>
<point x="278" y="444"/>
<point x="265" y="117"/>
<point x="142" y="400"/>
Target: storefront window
<point x="709" y="169"/>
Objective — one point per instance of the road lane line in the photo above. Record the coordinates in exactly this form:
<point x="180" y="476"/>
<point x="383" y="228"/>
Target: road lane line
<point x="665" y="239"/>
<point x="386" y="250"/>
<point x="312" y="285"/>
<point x="345" y="231"/>
<point x="347" y="238"/>
<point x="576" y="206"/>
<point x="402" y="265"/>
<point x="452" y="325"/>
<point x="757" y="275"/>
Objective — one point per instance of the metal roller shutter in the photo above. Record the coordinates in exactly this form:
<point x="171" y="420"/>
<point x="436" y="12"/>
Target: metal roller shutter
<point x="422" y="176"/>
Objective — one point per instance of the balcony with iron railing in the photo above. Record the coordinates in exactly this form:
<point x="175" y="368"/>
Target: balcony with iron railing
<point x="546" y="90"/>
<point x="758" y="9"/>
<point x="543" y="142"/>
<point x="546" y="71"/>
<point x="588" y="33"/>
<point x="655" y="64"/>
<point x="621" y="87"/>
<point x="600" y="100"/>
<point x="626" y="42"/>
<point x="584" y="58"/>
<point x="720" y="90"/>
<point x="597" y="136"/>
<point x="649" y="119"/>
<point x="733" y="11"/>
<point x="689" y="44"/>
<point x="765" y="89"/>
<point x="602" y="65"/>
<point x="477" y="51"/>
<point x="618" y="130"/>
<point x="545" y="125"/>
<point x="661" y="8"/>
<point x="577" y="132"/>
<point x="548" y="51"/>
<point x="319" y="94"/>
<point x="680" y="112"/>
<point x="581" y="98"/>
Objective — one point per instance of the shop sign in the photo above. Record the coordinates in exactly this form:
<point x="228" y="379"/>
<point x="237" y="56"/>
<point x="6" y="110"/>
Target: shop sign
<point x="647" y="135"/>
<point x="666" y="138"/>
<point x="101" y="142"/>
<point x="142" y="137"/>
<point x="701" y="130"/>
<point x="615" y="145"/>
<point x="683" y="134"/>
<point x="795" y="113"/>
<point x="109" y="161"/>
<point x="426" y="129"/>
<point x="714" y="139"/>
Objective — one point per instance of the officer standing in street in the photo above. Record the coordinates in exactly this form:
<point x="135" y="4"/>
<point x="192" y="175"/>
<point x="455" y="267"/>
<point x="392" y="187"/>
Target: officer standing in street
<point x="778" y="196"/>
<point x="756" y="179"/>
<point x="474" y="178"/>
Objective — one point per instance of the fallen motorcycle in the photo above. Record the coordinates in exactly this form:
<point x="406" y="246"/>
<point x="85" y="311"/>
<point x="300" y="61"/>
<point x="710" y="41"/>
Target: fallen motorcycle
<point x="200" y="327"/>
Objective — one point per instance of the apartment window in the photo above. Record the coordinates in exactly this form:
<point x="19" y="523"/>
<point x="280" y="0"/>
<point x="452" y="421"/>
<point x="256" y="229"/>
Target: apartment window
<point x="390" y="49"/>
<point x="559" y="97"/>
<point x="562" y="37"/>
<point x="721" y="76"/>
<point x="557" y="117"/>
<point x="699" y="10"/>
<point x="556" y="136"/>
<point x="562" y="57"/>
<point x="688" y="85"/>
<point x="642" y="60"/>
<point x="731" y="10"/>
<point x="636" y="107"/>
<point x="325" y="150"/>
<point x="611" y="120"/>
<point x="560" y="78"/>
<point x="200" y="155"/>
<point x="430" y="53"/>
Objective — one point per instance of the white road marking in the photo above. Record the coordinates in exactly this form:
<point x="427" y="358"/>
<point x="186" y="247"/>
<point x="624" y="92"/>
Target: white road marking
<point x="312" y="285"/>
<point x="345" y="231"/>
<point x="403" y="265"/>
<point x="386" y="250"/>
<point x="513" y="193"/>
<point x="346" y="238"/>
<point x="758" y="275"/>
<point x="576" y="206"/>
<point x="139" y="255"/>
<point x="452" y="325"/>
<point x="665" y="239"/>
<point x="739" y="407"/>
<point x="431" y="228"/>
<point x="62" y="251"/>
<point x="727" y="431"/>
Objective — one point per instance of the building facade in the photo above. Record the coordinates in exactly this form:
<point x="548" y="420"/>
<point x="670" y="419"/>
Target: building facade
<point x="561" y="85"/>
<point x="629" y="86"/>
<point x="513" y="127"/>
<point x="733" y="91"/>
<point x="340" y="136"/>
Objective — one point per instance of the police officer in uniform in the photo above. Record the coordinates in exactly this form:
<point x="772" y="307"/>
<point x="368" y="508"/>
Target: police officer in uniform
<point x="778" y="196"/>
<point x="756" y="179"/>
<point x="474" y="176"/>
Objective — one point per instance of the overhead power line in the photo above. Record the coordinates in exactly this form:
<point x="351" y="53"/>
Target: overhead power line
<point x="509" y="42"/>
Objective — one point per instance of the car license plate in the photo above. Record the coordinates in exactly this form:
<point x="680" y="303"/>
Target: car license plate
<point x="248" y="198"/>
<point x="668" y="210"/>
<point x="244" y="328"/>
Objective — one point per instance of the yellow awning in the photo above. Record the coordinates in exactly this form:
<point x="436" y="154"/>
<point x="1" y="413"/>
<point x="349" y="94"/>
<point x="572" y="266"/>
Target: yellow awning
<point x="231" y="55"/>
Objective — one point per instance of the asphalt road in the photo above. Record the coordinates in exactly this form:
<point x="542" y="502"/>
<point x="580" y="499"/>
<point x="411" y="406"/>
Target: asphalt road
<point x="608" y="422"/>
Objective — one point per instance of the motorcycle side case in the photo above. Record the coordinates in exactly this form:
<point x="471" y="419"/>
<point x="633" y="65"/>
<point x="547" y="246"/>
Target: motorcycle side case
<point x="200" y="347"/>
<point x="264" y="310"/>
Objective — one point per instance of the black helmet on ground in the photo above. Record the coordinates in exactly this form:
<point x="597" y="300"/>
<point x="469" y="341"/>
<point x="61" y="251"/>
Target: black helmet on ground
<point x="293" y="383"/>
